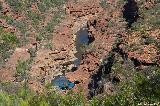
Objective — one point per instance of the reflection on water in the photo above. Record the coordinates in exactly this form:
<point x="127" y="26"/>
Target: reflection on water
<point x="82" y="39"/>
<point x="62" y="83"/>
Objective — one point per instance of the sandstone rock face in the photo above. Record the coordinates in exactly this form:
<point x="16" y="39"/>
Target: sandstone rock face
<point x="155" y="34"/>
<point x="107" y="33"/>
<point x="83" y="8"/>
<point x="7" y="73"/>
<point x="19" y="54"/>
<point x="150" y="4"/>
<point x="101" y="46"/>
<point x="102" y="34"/>
<point x="147" y="53"/>
<point x="47" y="65"/>
<point x="50" y="63"/>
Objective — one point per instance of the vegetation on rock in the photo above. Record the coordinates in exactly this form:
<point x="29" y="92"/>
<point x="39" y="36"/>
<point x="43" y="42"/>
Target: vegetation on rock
<point x="119" y="65"/>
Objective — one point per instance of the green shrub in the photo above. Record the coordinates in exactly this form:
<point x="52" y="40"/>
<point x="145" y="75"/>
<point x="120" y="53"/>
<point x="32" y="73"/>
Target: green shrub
<point x="21" y="26"/>
<point x="103" y="4"/>
<point x="40" y="37"/>
<point x="32" y="52"/>
<point x="26" y="98"/>
<point x="34" y="17"/>
<point x="49" y="46"/>
<point x="44" y="5"/>
<point x="138" y="91"/>
<point x="53" y="3"/>
<point x="5" y="52"/>
<point x="55" y="20"/>
<point x="8" y="42"/>
<point x="0" y="6"/>
<point x="17" y="5"/>
<point x="22" y="69"/>
<point x="10" y="38"/>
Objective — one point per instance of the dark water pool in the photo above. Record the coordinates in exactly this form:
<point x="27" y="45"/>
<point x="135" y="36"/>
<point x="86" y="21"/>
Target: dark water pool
<point x="62" y="83"/>
<point x="82" y="39"/>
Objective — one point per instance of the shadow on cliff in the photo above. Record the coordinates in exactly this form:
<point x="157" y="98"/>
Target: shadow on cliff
<point x="130" y="12"/>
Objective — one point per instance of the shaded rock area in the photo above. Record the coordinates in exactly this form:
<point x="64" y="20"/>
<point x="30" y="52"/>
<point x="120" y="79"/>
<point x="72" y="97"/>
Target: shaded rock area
<point x="96" y="85"/>
<point x="130" y="12"/>
<point x="102" y="81"/>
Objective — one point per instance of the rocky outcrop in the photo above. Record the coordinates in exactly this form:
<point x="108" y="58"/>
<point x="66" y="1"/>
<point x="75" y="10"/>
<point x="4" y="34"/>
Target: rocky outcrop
<point x="104" y="39"/>
<point x="100" y="25"/>
<point x="108" y="37"/>
<point x="82" y="8"/>
<point x="50" y="63"/>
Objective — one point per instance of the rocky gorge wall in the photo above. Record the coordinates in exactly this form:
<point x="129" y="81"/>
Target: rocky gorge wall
<point x="110" y="40"/>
